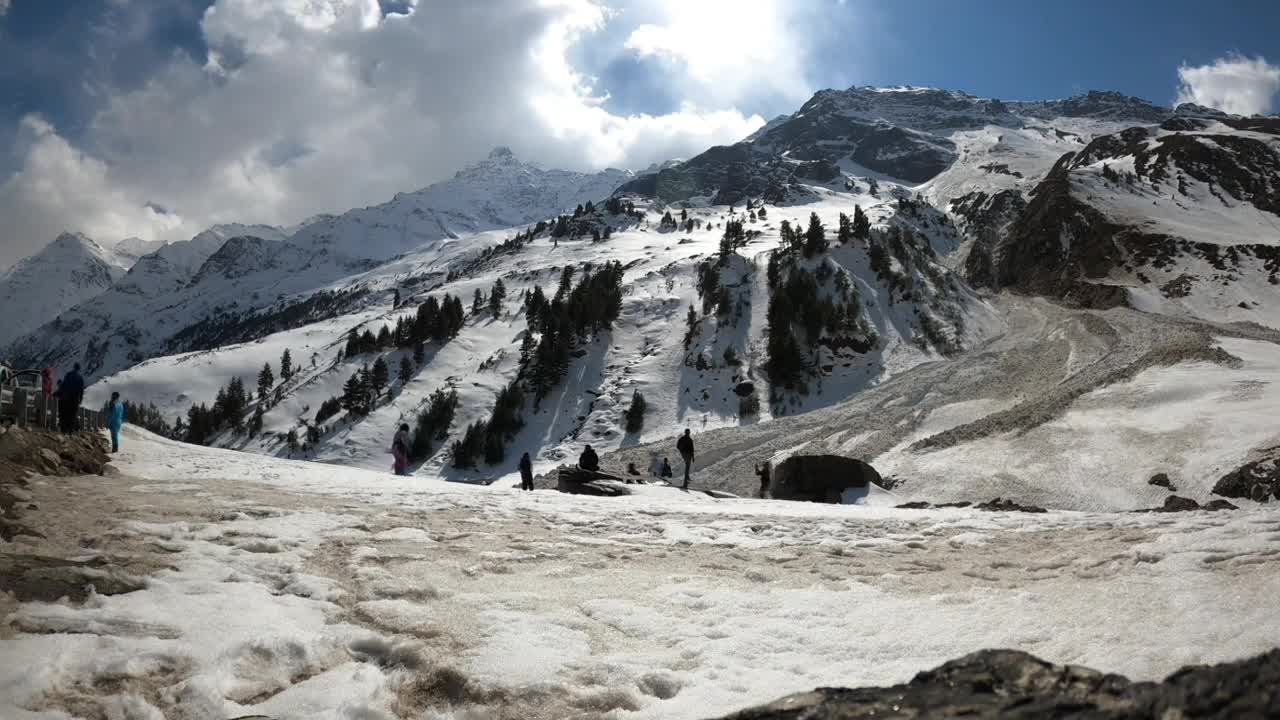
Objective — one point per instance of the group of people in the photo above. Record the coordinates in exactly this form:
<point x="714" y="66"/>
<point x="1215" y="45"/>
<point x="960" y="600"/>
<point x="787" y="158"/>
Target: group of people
<point x="588" y="460"/>
<point x="69" y="393"/>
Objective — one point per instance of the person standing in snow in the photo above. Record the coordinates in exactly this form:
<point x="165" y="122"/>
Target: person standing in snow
<point x="526" y="472"/>
<point x="685" y="446"/>
<point x="400" y="451"/>
<point x="589" y="460"/>
<point x="70" y="393"/>
<point x="765" y="472"/>
<point x="115" y="420"/>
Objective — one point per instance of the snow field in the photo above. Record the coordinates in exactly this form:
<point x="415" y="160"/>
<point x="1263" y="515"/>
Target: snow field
<point x="367" y="591"/>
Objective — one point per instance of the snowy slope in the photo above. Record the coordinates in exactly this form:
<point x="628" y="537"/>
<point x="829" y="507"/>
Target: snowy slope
<point x="1181" y="218"/>
<point x="68" y="271"/>
<point x="644" y="351"/>
<point x="499" y="192"/>
<point x="179" y="296"/>
<point x="370" y="595"/>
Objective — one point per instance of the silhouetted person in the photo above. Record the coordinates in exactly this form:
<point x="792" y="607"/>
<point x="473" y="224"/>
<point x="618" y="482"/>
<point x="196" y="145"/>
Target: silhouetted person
<point x="115" y="420"/>
<point x="526" y="472"/>
<point x="589" y="460"/>
<point x="400" y="451"/>
<point x="685" y="446"/>
<point x="765" y="472"/>
<point x="631" y="469"/>
<point x="70" y="393"/>
<point x="666" y="471"/>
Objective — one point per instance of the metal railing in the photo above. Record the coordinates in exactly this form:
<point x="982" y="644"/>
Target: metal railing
<point x="32" y="408"/>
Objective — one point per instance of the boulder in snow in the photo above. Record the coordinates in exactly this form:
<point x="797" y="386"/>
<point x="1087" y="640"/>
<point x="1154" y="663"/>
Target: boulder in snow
<point x="820" y="478"/>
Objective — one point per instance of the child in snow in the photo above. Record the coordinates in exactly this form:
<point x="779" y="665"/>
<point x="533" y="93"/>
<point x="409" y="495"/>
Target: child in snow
<point x="115" y="420"/>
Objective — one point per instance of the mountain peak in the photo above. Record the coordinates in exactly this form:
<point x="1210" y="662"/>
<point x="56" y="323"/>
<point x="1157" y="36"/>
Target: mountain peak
<point x="502" y="152"/>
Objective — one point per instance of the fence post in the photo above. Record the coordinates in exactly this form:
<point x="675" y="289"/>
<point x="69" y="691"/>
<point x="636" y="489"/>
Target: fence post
<point x="20" y="406"/>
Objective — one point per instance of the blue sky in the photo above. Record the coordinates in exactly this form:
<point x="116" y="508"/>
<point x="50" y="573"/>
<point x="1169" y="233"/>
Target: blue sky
<point x="272" y="110"/>
<point x="53" y="51"/>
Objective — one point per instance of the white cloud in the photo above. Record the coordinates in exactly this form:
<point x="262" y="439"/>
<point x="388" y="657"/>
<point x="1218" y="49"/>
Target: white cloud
<point x="308" y="107"/>
<point x="4" y="6"/>
<point x="1234" y="84"/>
<point x="730" y="49"/>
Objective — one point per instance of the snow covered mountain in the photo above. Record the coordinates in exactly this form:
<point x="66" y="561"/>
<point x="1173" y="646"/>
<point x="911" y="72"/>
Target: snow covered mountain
<point x="864" y="336"/>
<point x="1181" y="218"/>
<point x="174" y="298"/>
<point x="68" y="271"/>
<point x="499" y="192"/>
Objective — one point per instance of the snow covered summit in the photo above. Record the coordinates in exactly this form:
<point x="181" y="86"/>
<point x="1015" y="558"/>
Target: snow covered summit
<point x="69" y="270"/>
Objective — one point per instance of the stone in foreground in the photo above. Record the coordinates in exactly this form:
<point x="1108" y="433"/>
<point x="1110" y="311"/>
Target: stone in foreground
<point x="1012" y="684"/>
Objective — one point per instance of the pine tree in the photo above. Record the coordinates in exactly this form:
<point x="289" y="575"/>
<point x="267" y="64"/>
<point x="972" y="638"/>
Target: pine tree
<point x="353" y="395"/>
<point x="761" y="213"/>
<point x="496" y="296"/>
<point x="419" y="354"/>
<point x="845" y="233"/>
<point x="265" y="381"/>
<point x="286" y="365"/>
<point x="477" y="302"/>
<point x="692" y="321"/>
<point x="635" y="413"/>
<point x="815" y="237"/>
<point x="395" y="300"/>
<point x="380" y="377"/>
<point x="291" y="440"/>
<point x="406" y="370"/>
<point x="861" y="225"/>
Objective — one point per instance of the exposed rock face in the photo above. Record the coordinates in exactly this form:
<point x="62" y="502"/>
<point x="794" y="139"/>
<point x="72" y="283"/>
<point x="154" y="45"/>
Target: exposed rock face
<point x="1257" y="480"/>
<point x="1067" y="244"/>
<point x="1003" y="505"/>
<point x="1174" y="503"/>
<point x="820" y="478"/>
<point x="1011" y="684"/>
<point x="1162" y="480"/>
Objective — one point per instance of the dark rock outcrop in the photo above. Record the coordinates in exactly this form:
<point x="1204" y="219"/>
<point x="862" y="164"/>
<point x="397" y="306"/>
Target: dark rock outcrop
<point x="820" y="478"/>
<point x="1162" y="480"/>
<point x="1257" y="480"/>
<point x="1003" y="505"/>
<point x="1012" y="684"/>
<point x="1062" y="245"/>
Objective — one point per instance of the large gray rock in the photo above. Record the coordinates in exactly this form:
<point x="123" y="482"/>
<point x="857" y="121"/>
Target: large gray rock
<point x="1011" y="684"/>
<point x="1258" y="479"/>
<point x="820" y="478"/>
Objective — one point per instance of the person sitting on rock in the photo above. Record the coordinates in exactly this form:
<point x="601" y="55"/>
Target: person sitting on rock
<point x="589" y="460"/>
<point x="666" y="471"/>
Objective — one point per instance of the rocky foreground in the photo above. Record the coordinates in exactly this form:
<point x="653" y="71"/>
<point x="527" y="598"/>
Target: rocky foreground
<point x="1011" y="684"/>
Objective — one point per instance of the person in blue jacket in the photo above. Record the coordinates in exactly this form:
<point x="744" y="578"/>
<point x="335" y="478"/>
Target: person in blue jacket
<point x="115" y="420"/>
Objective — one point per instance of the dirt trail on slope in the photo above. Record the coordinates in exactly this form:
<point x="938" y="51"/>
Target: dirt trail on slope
<point x="1049" y="356"/>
